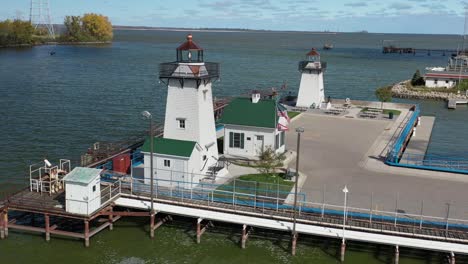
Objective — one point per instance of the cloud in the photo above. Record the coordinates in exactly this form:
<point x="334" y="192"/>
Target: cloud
<point x="356" y="4"/>
<point x="399" y="6"/>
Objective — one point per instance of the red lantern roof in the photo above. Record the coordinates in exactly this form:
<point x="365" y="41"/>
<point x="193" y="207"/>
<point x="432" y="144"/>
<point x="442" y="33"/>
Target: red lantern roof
<point x="189" y="44"/>
<point x="313" y="52"/>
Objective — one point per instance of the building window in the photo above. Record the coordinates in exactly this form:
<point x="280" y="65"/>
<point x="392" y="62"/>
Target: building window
<point x="167" y="163"/>
<point x="236" y="140"/>
<point x="94" y="188"/>
<point x="435" y="81"/>
<point x="277" y="141"/>
<point x="282" y="139"/>
<point x="446" y="81"/>
<point x="181" y="123"/>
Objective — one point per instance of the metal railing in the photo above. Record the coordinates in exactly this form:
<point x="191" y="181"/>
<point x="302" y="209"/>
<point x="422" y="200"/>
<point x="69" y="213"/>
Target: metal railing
<point x="175" y="70"/>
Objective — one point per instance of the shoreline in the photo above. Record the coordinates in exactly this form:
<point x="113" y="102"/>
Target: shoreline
<point x="51" y="43"/>
<point x="399" y="90"/>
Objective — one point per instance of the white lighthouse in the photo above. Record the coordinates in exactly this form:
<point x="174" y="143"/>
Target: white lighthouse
<point x="311" y="90"/>
<point x="189" y="105"/>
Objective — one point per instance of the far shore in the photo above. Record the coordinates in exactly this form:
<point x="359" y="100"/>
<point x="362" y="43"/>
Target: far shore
<point x="56" y="43"/>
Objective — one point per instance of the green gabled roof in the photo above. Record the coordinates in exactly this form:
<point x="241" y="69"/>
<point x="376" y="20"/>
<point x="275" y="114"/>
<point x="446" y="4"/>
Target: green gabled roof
<point x="241" y="111"/>
<point x="167" y="146"/>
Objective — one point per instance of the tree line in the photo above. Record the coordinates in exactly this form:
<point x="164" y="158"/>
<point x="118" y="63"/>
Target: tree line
<point x="87" y="28"/>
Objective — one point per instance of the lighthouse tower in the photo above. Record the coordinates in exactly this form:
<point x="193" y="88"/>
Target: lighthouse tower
<point x="189" y="105"/>
<point x="311" y="90"/>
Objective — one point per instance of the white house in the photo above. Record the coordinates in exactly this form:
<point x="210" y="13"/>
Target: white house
<point x="189" y="144"/>
<point x="253" y="124"/>
<point x="443" y="79"/>
<point x="177" y="163"/>
<point x="311" y="89"/>
<point x="82" y="190"/>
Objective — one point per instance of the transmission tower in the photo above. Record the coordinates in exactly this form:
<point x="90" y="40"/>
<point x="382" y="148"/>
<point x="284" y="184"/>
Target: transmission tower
<point x="39" y="16"/>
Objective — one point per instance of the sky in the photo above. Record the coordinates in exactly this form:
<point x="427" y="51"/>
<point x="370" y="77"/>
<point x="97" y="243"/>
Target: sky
<point x="390" y="16"/>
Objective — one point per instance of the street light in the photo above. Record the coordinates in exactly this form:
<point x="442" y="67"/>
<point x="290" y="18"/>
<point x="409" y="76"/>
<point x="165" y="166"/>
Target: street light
<point x="149" y="116"/>
<point x="299" y="131"/>
<point x="345" y="191"/>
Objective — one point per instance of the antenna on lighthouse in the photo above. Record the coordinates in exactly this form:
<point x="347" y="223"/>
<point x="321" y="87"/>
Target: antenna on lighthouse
<point x="39" y="16"/>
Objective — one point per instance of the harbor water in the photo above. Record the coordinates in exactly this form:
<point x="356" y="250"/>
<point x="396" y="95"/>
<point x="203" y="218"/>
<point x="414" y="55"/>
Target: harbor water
<point x="57" y="106"/>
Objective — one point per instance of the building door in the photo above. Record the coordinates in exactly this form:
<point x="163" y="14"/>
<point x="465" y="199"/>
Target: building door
<point x="259" y="144"/>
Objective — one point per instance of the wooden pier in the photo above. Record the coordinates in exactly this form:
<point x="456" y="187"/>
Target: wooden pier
<point x="429" y="52"/>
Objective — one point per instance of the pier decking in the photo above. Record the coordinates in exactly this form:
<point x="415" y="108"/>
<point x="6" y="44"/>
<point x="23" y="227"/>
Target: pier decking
<point x="452" y="103"/>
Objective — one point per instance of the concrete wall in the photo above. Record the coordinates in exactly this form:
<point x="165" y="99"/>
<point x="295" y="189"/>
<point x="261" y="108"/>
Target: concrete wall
<point x="81" y="199"/>
<point x="252" y="147"/>
<point x="311" y="89"/>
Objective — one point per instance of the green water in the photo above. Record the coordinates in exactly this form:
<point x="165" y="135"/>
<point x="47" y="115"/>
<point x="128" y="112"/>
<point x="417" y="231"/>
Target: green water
<point x="175" y="242"/>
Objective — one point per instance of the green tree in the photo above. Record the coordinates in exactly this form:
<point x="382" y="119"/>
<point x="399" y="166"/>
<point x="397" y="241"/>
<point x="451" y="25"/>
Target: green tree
<point x="270" y="160"/>
<point x="417" y="79"/>
<point x="16" y="32"/>
<point x="73" y="29"/>
<point x="97" y="26"/>
<point x="384" y="94"/>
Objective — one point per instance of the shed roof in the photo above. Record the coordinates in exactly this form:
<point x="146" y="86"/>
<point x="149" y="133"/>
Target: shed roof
<point x="167" y="146"/>
<point x="82" y="175"/>
<point x="242" y="111"/>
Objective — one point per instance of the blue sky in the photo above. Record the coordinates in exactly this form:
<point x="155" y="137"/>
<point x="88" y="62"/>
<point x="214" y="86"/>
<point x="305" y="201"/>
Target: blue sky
<point x="391" y="16"/>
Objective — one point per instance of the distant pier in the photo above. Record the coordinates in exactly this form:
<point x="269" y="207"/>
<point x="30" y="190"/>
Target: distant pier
<point x="452" y="103"/>
<point x="408" y="50"/>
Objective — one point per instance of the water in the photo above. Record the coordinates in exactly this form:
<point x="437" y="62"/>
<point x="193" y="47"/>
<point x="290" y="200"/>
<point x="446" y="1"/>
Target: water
<point x="56" y="106"/>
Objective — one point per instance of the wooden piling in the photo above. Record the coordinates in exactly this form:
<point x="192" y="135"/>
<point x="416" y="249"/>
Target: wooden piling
<point x="199" y="230"/>
<point x="452" y="258"/>
<point x="397" y="254"/>
<point x="343" y="250"/>
<point x="47" y="227"/>
<point x="245" y="235"/>
<point x="2" y="231"/>
<point x="86" y="233"/>
<point x="111" y="220"/>
<point x="152" y="216"/>
<point x="293" y="244"/>
<point x="5" y="222"/>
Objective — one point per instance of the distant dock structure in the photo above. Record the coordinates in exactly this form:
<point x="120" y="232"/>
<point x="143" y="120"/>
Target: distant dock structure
<point x="389" y="46"/>
<point x="452" y="103"/>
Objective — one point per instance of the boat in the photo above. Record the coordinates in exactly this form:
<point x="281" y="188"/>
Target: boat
<point x="328" y="46"/>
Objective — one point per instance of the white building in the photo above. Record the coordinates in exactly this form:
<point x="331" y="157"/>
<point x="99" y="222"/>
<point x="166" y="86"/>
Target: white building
<point x="189" y="121"/>
<point x="82" y="190"/>
<point x="311" y="89"/>
<point x="443" y="79"/>
<point x="253" y="124"/>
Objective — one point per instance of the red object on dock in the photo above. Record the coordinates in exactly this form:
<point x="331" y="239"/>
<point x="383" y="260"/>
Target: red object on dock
<point x="121" y="163"/>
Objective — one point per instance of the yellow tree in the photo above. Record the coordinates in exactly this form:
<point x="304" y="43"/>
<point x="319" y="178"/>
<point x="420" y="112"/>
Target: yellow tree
<point x="97" y="26"/>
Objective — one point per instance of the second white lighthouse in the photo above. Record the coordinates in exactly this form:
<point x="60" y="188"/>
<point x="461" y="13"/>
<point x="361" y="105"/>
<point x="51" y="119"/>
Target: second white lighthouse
<point x="311" y="89"/>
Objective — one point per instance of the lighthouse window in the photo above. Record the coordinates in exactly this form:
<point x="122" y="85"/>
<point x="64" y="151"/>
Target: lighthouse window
<point x="181" y="123"/>
<point x="236" y="140"/>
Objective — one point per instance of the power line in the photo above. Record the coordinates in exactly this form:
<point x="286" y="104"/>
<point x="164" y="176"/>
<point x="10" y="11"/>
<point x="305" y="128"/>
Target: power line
<point x="39" y="16"/>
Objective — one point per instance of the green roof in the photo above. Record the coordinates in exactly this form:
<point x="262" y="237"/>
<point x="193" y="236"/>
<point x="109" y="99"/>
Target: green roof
<point x="167" y="146"/>
<point x="241" y="111"/>
<point x="82" y="175"/>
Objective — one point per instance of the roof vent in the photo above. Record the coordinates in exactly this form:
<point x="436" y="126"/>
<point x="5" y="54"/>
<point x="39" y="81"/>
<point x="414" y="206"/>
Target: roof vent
<point x="255" y="97"/>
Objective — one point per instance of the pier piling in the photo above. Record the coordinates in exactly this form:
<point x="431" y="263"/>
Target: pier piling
<point x="47" y="227"/>
<point x="397" y="254"/>
<point x="245" y="235"/>
<point x="111" y="220"/>
<point x="5" y="223"/>
<point x="86" y="233"/>
<point x="452" y="258"/>
<point x="152" y="225"/>
<point x="343" y="250"/>
<point x="293" y="244"/>
<point x="2" y="231"/>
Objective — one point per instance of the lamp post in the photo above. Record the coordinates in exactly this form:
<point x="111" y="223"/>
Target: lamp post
<point x="149" y="116"/>
<point x="343" y="243"/>
<point x="299" y="131"/>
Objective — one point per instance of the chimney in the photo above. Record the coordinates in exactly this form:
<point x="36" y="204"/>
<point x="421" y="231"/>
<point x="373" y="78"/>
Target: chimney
<point x="255" y="96"/>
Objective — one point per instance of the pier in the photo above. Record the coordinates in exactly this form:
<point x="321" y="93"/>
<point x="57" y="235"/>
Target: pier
<point x="452" y="103"/>
<point x="408" y="50"/>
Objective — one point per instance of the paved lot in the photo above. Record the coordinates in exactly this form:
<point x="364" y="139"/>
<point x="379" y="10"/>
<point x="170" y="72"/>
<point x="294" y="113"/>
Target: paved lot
<point x="334" y="152"/>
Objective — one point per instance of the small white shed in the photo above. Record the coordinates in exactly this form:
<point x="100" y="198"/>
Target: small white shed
<point x="82" y="190"/>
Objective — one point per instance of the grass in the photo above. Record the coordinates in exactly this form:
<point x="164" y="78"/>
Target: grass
<point x="256" y="185"/>
<point x="424" y="89"/>
<point x="291" y="115"/>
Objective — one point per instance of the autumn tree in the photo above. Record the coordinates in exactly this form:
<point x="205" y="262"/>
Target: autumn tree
<point x="384" y="94"/>
<point x="16" y="31"/>
<point x="90" y="27"/>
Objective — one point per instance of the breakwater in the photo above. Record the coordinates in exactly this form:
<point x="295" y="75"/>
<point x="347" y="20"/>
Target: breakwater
<point x="400" y="90"/>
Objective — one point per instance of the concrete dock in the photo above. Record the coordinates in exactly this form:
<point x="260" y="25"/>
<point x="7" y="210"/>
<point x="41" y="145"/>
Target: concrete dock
<point x="452" y="103"/>
<point x="419" y="142"/>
